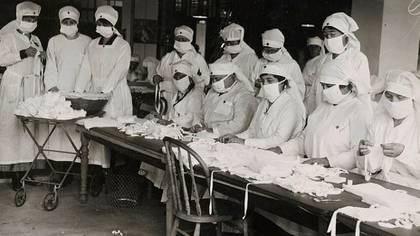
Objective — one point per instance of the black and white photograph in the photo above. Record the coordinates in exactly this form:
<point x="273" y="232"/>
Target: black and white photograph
<point x="209" y="117"/>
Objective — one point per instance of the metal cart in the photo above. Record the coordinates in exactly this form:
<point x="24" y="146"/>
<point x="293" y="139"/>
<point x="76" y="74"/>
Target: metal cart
<point x="50" y="201"/>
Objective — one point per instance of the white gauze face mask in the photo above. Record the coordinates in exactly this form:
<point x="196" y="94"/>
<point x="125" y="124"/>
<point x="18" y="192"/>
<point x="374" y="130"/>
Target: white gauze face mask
<point x="233" y="49"/>
<point x="271" y="91"/>
<point x="105" y="31"/>
<point x="219" y="86"/>
<point x="182" y="84"/>
<point x="333" y="95"/>
<point x="28" y="27"/>
<point x="335" y="45"/>
<point x="182" y="47"/>
<point x="69" y="30"/>
<point x="399" y="109"/>
<point x="273" y="56"/>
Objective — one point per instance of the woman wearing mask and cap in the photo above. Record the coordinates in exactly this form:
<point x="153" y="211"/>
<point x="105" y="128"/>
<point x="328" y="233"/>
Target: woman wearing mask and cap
<point x="335" y="128"/>
<point x="235" y="50"/>
<point x="342" y="46"/>
<point x="188" y="100"/>
<point x="280" y="116"/>
<point x="228" y="106"/>
<point x="105" y="65"/>
<point x="65" y="53"/>
<point x="275" y="53"/>
<point x="393" y="142"/>
<point x="316" y="51"/>
<point x="183" y="50"/>
<point x="20" y="53"/>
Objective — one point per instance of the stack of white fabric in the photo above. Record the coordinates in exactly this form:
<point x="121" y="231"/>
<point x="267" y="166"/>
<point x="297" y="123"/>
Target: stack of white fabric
<point x="49" y="106"/>
<point x="152" y="130"/>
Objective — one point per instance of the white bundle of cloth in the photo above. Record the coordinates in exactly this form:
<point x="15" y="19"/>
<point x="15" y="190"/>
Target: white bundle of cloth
<point x="87" y="96"/>
<point x="49" y="106"/>
<point x="152" y="130"/>
<point x="103" y="122"/>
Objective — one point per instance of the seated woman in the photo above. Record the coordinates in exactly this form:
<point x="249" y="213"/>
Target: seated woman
<point x="280" y="115"/>
<point x="335" y="128"/>
<point x="229" y="106"/>
<point x="395" y="131"/>
<point x="187" y="101"/>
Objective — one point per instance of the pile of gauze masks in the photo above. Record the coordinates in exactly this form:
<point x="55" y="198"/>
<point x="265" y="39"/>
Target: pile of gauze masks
<point x="49" y="106"/>
<point x="152" y="130"/>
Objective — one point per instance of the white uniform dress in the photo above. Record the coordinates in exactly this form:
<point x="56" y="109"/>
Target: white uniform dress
<point x="186" y="110"/>
<point x="245" y="60"/>
<point x="231" y="112"/>
<point x="64" y="59"/>
<point x="333" y="131"/>
<point x="201" y="73"/>
<point x="405" y="169"/>
<point x="309" y="72"/>
<point x="21" y="80"/>
<point x="355" y="60"/>
<point x="274" y="125"/>
<point x="288" y="64"/>
<point x="105" y="67"/>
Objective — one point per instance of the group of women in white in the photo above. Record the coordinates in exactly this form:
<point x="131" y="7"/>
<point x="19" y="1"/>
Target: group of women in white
<point x="325" y="114"/>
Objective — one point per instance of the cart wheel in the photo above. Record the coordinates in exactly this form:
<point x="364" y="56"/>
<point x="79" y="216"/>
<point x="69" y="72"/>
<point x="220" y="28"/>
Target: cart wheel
<point x="50" y="201"/>
<point x="96" y="186"/>
<point x="20" y="197"/>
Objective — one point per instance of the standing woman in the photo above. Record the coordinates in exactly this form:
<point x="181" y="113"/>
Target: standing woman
<point x="20" y="53"/>
<point x="105" y="65"/>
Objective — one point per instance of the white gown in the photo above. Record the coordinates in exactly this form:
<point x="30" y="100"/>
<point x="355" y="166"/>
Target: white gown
<point x="333" y="132"/>
<point x="64" y="59"/>
<point x="309" y="73"/>
<point x="201" y="73"/>
<point x="270" y="127"/>
<point x="229" y="113"/>
<point x="21" y="80"/>
<point x="186" y="112"/>
<point x="405" y="169"/>
<point x="358" y="62"/>
<point x="286" y="62"/>
<point x="104" y="70"/>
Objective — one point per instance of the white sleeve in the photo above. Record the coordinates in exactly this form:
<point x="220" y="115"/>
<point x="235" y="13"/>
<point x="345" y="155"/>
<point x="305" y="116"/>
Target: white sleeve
<point x="51" y="70"/>
<point x="8" y="56"/>
<point x="85" y="75"/>
<point x="120" y="70"/>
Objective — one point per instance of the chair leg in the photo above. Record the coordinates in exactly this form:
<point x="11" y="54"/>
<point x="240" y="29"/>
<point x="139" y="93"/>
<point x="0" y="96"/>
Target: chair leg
<point x="175" y="227"/>
<point x="197" y="229"/>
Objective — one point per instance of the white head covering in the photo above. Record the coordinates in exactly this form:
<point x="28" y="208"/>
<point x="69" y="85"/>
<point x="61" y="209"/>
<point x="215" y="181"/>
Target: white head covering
<point x="227" y="68"/>
<point x="69" y="12"/>
<point x="273" y="38"/>
<point x="108" y="13"/>
<point x="183" y="67"/>
<point x="27" y="8"/>
<point x="150" y="63"/>
<point x="346" y="25"/>
<point x="233" y="32"/>
<point x="135" y="58"/>
<point x="315" y="41"/>
<point x="185" y="31"/>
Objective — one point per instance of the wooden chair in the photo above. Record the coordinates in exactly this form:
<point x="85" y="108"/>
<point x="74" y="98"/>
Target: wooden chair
<point x="188" y="205"/>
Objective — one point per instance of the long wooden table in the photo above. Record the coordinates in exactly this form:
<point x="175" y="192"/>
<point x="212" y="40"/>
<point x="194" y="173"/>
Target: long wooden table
<point x="273" y="198"/>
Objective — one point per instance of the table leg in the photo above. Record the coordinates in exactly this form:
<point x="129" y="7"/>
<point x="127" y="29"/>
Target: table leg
<point x="84" y="162"/>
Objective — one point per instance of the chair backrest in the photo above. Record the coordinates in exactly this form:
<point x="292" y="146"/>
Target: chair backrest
<point x="183" y="185"/>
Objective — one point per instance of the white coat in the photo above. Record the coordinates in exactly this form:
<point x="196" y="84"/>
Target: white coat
<point x="105" y="67"/>
<point x="288" y="64"/>
<point x="64" y="59"/>
<point x="274" y="125"/>
<point x="201" y="73"/>
<point x="229" y="113"/>
<point x="309" y="72"/>
<point x="333" y="132"/>
<point x="21" y="80"/>
<point x="245" y="60"/>
<point x="358" y="62"/>
<point x="405" y="169"/>
<point x="186" y="112"/>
